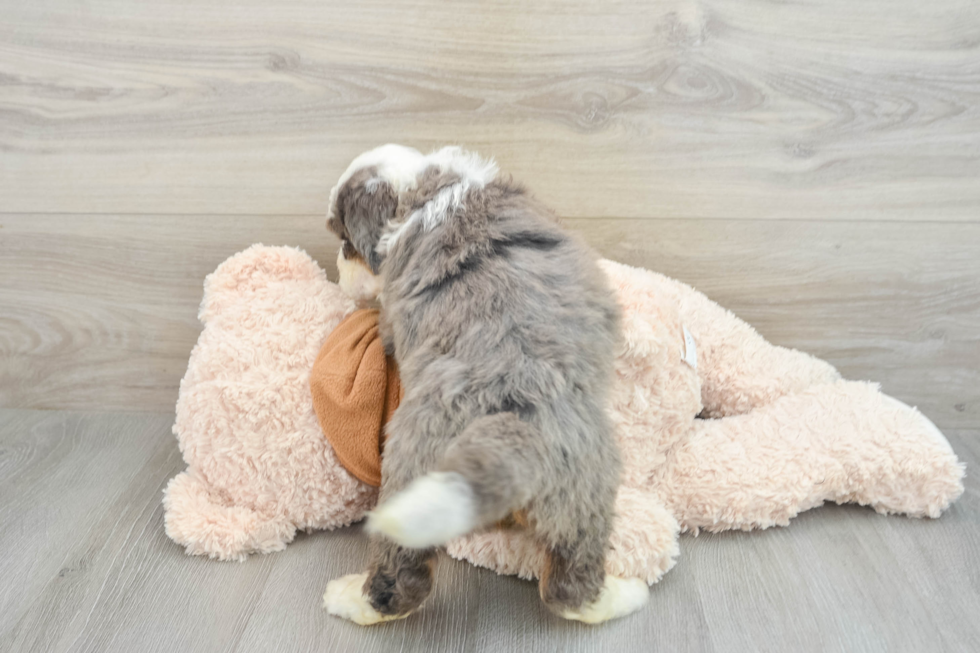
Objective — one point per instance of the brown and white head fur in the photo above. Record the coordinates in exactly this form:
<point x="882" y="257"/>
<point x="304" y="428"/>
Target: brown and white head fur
<point x="372" y="205"/>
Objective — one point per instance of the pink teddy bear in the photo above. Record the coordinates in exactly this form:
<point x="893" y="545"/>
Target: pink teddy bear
<point x="719" y="429"/>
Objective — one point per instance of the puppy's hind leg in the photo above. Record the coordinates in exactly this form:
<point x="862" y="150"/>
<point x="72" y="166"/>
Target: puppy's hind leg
<point x="397" y="583"/>
<point x="574" y="520"/>
<point x="491" y="469"/>
<point x="574" y="586"/>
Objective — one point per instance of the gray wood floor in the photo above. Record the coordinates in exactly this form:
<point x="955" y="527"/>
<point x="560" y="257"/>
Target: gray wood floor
<point x="86" y="567"/>
<point x="812" y="166"/>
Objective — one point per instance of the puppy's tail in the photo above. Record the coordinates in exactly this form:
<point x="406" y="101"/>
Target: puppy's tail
<point x="494" y="467"/>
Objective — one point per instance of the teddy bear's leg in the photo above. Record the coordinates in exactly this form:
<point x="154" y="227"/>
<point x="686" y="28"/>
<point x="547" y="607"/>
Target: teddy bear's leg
<point x="739" y="369"/>
<point x="641" y="548"/>
<point x="844" y="442"/>
<point x="205" y="527"/>
<point x="643" y="543"/>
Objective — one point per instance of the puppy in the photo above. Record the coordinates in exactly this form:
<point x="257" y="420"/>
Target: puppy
<point x="504" y="330"/>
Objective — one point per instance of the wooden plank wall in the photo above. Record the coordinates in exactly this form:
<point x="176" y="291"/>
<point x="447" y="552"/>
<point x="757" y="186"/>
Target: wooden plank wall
<point x="814" y="167"/>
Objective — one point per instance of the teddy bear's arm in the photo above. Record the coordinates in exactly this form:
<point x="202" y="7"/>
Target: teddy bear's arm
<point x="643" y="543"/>
<point x="739" y="369"/>
<point x="843" y="442"/>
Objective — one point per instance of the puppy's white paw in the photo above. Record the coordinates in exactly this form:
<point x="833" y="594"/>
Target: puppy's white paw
<point x="431" y="511"/>
<point x="619" y="597"/>
<point x="345" y="598"/>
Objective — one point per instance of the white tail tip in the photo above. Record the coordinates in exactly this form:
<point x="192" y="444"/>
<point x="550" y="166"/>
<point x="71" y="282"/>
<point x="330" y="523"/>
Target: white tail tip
<point x="434" y="509"/>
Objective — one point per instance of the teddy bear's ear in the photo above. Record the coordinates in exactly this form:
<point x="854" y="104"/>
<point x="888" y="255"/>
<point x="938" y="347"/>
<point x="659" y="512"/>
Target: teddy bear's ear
<point x="250" y="271"/>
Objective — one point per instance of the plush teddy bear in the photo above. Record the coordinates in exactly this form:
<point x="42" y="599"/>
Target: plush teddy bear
<point x="719" y="429"/>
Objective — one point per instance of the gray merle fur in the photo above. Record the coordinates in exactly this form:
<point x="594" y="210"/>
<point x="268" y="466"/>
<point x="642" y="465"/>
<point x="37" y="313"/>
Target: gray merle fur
<point x="505" y="331"/>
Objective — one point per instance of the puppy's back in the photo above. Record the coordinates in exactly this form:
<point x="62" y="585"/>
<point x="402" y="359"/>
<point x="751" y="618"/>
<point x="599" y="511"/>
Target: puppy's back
<point x="509" y="308"/>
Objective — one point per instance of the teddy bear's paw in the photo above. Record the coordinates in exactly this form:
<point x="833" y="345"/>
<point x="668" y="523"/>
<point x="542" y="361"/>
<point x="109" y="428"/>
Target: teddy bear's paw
<point x="643" y="543"/>
<point x="619" y="597"/>
<point x="345" y="598"/>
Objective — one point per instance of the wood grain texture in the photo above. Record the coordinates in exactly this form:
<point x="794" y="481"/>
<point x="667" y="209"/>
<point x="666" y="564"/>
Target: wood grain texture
<point x="678" y="108"/>
<point x="87" y="567"/>
<point x="811" y="166"/>
<point x="99" y="312"/>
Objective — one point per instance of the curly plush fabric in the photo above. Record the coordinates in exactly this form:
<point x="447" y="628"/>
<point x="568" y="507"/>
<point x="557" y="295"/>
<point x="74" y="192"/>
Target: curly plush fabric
<point x="779" y="431"/>
<point x="258" y="466"/>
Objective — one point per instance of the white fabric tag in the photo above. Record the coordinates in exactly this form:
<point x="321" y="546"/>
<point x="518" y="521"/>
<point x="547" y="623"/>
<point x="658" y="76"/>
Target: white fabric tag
<point x="690" y="354"/>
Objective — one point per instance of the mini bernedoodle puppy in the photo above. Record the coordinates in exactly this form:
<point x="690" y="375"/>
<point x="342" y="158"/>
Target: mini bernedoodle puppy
<point x="505" y="331"/>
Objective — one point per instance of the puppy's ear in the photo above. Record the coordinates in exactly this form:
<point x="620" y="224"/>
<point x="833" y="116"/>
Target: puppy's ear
<point x="367" y="204"/>
<point x="334" y="221"/>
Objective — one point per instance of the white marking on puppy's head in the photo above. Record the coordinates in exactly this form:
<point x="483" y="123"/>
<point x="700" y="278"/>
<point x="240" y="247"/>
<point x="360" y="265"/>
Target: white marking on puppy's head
<point x="472" y="171"/>
<point x="399" y="165"/>
<point x="366" y="199"/>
